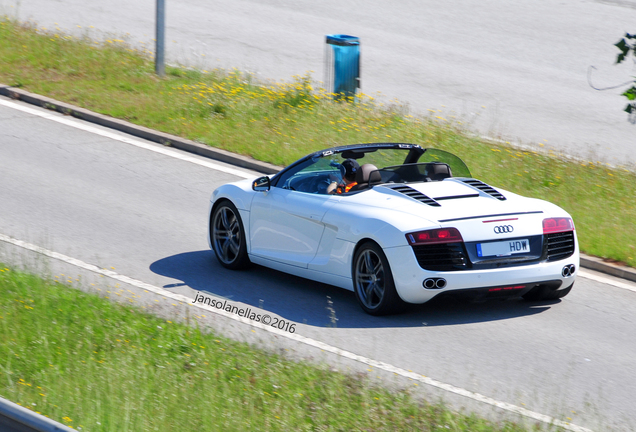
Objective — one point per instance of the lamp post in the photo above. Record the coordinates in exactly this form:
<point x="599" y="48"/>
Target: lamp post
<point x="160" y="66"/>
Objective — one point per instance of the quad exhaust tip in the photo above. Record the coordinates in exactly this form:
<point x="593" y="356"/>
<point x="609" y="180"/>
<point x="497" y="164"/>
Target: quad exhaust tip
<point x="568" y="270"/>
<point x="434" y="283"/>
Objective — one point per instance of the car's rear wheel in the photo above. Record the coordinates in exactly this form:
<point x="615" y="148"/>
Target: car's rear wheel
<point x="373" y="281"/>
<point x="544" y="293"/>
<point x="227" y="236"/>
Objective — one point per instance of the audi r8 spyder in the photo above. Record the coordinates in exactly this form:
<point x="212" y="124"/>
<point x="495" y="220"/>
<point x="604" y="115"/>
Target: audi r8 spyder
<point x="414" y="225"/>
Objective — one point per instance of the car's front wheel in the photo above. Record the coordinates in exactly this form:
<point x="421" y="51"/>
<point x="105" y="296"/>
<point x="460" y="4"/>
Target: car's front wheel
<point x="227" y="236"/>
<point x="373" y="281"/>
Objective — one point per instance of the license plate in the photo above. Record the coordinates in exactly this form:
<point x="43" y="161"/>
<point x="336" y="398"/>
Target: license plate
<point x="503" y="248"/>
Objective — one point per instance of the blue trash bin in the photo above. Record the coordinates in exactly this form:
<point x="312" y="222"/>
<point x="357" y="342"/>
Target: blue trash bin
<point x="342" y="65"/>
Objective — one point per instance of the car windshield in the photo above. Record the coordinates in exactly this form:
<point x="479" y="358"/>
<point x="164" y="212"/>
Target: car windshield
<point x="396" y="165"/>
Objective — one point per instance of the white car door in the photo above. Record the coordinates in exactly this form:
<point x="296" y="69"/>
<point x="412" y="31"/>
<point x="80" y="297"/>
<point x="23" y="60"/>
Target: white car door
<point x="286" y="225"/>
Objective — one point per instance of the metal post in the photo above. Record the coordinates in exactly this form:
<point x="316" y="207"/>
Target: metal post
<point x="160" y="66"/>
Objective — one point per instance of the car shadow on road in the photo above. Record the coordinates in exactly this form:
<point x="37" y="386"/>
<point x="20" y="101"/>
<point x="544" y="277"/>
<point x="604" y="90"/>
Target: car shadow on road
<point x="316" y="304"/>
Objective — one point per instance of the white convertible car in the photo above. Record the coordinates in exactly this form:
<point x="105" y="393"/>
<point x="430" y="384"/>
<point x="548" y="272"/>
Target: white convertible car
<point x="413" y="226"/>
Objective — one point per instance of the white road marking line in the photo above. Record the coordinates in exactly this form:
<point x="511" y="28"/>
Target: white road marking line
<point x="302" y="339"/>
<point x="606" y="280"/>
<point x="157" y="148"/>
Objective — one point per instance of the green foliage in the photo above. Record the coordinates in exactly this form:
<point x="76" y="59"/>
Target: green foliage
<point x="631" y="96"/>
<point x="297" y="96"/>
<point x="99" y="366"/>
<point x="626" y="45"/>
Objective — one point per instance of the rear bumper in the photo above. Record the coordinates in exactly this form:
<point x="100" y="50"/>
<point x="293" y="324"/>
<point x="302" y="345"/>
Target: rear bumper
<point x="409" y="277"/>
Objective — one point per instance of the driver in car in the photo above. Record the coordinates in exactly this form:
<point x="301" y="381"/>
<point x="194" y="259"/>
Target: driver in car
<point x="351" y="167"/>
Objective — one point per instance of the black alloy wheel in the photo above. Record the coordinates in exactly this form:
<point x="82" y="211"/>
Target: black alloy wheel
<point x="373" y="281"/>
<point x="228" y="236"/>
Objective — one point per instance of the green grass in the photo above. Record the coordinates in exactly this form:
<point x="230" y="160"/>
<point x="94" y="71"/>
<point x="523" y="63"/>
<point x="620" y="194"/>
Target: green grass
<point x="86" y="362"/>
<point x="280" y="122"/>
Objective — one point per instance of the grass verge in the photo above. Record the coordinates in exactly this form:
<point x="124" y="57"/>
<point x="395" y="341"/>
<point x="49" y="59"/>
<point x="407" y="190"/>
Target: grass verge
<point x="99" y="366"/>
<point x="280" y="122"/>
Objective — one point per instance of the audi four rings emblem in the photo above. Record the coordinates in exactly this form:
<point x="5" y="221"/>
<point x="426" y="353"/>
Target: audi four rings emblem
<point x="501" y="229"/>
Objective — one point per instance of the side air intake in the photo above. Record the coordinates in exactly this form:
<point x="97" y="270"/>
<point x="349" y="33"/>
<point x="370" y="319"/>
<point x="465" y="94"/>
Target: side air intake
<point x="485" y="188"/>
<point x="417" y="195"/>
<point x="559" y="245"/>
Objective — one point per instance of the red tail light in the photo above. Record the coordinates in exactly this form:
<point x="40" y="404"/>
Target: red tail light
<point x="440" y="235"/>
<point x="557" y="225"/>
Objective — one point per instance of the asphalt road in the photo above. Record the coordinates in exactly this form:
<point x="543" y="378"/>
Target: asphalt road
<point x="513" y="70"/>
<point x="143" y="214"/>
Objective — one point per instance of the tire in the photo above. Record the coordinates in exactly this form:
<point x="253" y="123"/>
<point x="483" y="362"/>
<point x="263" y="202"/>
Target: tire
<point x="373" y="281"/>
<point x="227" y="236"/>
<point x="543" y="293"/>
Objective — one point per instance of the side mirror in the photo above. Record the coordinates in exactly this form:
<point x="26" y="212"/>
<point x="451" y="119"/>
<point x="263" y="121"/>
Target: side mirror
<point x="261" y="184"/>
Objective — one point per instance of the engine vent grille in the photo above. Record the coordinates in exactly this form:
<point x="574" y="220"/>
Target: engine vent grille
<point x="485" y="188"/>
<point x="415" y="194"/>
<point x="442" y="257"/>
<point x="559" y="245"/>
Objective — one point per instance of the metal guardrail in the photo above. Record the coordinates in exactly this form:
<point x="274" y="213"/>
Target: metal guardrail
<point x="15" y="418"/>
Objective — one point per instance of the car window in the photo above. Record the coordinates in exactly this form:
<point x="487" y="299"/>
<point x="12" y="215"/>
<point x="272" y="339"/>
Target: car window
<point x="323" y="164"/>
<point x="384" y="157"/>
<point x="313" y="175"/>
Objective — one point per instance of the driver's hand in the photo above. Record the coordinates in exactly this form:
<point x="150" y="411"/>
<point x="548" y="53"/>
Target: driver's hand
<point x="332" y="187"/>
